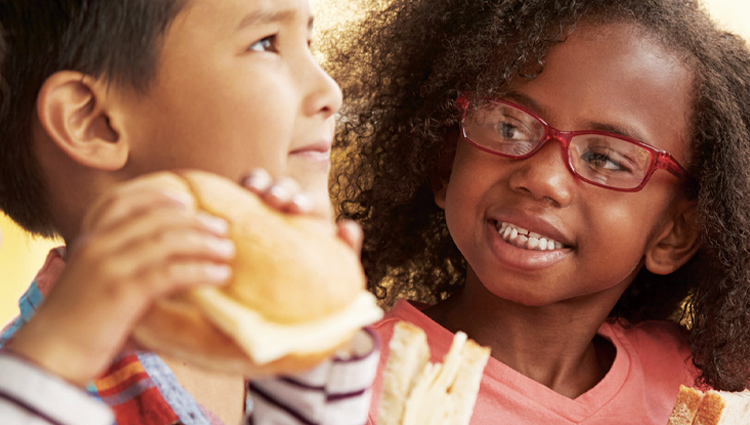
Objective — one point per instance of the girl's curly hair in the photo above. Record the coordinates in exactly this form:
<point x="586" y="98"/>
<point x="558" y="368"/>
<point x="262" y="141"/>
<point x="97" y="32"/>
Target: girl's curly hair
<point x="401" y="69"/>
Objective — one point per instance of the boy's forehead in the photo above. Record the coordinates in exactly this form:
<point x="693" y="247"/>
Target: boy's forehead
<point x="241" y="13"/>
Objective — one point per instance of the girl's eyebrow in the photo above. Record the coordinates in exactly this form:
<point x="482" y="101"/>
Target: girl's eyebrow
<point x="540" y="110"/>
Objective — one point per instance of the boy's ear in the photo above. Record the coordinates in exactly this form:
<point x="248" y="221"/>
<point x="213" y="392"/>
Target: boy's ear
<point x="74" y="110"/>
<point x="677" y="243"/>
<point x="441" y="174"/>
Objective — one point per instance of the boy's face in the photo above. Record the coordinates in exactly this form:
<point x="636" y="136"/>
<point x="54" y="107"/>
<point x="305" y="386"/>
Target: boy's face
<point x="237" y="88"/>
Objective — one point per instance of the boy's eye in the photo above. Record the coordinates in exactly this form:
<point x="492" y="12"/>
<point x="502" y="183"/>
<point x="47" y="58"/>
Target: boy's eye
<point x="267" y="44"/>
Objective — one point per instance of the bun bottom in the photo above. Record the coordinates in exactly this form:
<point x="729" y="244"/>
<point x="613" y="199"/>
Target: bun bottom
<point x="176" y="327"/>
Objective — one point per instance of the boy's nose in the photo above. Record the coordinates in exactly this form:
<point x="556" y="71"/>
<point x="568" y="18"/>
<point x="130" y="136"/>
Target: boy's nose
<point x="324" y="94"/>
<point x="545" y="175"/>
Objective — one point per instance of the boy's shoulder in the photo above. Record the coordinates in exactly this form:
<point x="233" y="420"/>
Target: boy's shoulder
<point x="36" y="292"/>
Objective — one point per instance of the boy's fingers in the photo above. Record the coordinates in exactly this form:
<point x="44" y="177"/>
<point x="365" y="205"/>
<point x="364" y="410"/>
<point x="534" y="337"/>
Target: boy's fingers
<point x="284" y="195"/>
<point x="280" y="194"/>
<point x="351" y="233"/>
<point x="142" y="261"/>
<point x="301" y="203"/>
<point x="148" y="226"/>
<point x="257" y="181"/>
<point x="131" y="202"/>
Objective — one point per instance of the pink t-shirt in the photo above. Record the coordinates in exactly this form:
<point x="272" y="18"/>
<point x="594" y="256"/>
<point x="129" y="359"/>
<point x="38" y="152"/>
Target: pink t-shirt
<point x="653" y="359"/>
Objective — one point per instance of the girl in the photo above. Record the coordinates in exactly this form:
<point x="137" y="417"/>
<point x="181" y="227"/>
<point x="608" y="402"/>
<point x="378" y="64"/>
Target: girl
<point x="566" y="182"/>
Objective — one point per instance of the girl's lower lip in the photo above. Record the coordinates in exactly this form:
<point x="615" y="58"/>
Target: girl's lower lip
<point x="521" y="258"/>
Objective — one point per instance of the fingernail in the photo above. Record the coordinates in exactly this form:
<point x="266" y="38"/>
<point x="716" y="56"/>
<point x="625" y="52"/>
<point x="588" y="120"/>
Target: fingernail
<point x="217" y="273"/>
<point x="258" y="180"/>
<point x="224" y="247"/>
<point x="303" y="201"/>
<point x="278" y="192"/>
<point x="181" y="197"/>
<point x="216" y="224"/>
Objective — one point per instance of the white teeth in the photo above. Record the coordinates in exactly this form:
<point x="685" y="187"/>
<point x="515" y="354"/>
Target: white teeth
<point x="522" y="238"/>
<point x="506" y="232"/>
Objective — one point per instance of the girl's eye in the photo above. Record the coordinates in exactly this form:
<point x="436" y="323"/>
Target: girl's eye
<point x="510" y="132"/>
<point x="267" y="44"/>
<point x="604" y="161"/>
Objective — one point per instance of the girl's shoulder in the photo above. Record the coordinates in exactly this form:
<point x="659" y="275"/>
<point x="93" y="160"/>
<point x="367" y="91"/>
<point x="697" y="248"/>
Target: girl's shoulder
<point x="656" y="346"/>
<point x="650" y="333"/>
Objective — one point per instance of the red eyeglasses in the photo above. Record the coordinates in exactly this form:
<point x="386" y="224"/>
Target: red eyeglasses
<point x="603" y="159"/>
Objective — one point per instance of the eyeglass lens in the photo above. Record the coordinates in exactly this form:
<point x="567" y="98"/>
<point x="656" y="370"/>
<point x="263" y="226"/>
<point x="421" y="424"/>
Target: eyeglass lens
<point x="599" y="158"/>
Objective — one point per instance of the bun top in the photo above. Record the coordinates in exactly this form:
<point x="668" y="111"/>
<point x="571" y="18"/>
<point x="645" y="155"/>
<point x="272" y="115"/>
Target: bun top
<point x="288" y="268"/>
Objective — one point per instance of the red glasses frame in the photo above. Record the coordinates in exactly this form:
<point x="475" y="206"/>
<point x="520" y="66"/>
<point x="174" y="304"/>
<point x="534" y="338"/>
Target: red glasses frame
<point x="660" y="159"/>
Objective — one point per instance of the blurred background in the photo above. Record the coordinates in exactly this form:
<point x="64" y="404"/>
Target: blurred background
<point x="21" y="255"/>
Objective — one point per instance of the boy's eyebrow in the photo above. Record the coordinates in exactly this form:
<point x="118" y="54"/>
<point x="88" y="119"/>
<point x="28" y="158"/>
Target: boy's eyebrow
<point x="260" y="17"/>
<point x="530" y="103"/>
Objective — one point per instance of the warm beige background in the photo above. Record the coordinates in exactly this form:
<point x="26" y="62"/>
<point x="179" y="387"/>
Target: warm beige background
<point x="21" y="255"/>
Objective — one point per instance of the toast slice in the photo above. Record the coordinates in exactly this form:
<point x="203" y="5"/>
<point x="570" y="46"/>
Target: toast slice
<point x="694" y="407"/>
<point x="418" y="392"/>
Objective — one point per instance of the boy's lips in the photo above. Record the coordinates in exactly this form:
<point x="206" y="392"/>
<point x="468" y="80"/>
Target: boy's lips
<point x="317" y="151"/>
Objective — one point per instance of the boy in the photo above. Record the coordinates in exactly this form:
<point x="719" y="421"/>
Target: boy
<point x="97" y="92"/>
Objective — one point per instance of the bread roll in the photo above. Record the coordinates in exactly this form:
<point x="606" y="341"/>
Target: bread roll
<point x="296" y="294"/>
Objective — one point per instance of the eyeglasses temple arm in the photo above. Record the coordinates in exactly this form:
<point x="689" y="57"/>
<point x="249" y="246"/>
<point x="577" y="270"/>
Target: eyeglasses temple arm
<point x="667" y="162"/>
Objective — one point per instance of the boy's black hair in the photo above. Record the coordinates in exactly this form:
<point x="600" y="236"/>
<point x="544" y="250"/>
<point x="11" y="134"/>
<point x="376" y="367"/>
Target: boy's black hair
<point x="401" y="73"/>
<point x="118" y="40"/>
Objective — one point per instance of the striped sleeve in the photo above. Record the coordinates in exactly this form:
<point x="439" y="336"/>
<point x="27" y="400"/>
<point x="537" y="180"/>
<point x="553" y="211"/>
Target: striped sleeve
<point x="30" y="396"/>
<point x="336" y="392"/>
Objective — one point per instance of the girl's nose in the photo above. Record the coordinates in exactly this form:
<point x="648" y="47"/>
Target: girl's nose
<point x="545" y="175"/>
<point x="324" y="95"/>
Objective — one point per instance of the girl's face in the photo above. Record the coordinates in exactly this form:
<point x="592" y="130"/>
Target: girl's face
<point x="608" y="78"/>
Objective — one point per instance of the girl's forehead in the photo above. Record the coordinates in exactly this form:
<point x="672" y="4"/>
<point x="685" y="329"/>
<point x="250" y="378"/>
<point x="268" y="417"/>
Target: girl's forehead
<point x="614" y="75"/>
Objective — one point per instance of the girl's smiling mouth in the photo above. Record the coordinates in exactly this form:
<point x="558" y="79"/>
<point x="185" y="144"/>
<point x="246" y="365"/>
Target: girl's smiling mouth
<point x="521" y="249"/>
<point x="522" y="238"/>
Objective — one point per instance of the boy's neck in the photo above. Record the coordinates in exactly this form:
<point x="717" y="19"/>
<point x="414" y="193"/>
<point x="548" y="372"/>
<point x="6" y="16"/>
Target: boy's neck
<point x="70" y="188"/>
<point x="223" y="395"/>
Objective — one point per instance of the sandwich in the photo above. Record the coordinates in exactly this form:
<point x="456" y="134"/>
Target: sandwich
<point x="418" y="392"/>
<point x="296" y="295"/>
<point x="694" y="407"/>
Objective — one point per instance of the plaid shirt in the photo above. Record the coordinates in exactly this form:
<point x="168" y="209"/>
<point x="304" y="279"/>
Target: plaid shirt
<point x="141" y="390"/>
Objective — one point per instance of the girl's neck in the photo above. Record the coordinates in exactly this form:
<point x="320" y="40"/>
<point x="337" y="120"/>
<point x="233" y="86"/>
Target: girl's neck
<point x="555" y="345"/>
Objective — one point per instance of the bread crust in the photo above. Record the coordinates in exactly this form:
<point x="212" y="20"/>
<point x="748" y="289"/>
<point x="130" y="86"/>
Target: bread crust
<point x="686" y="406"/>
<point x="177" y="328"/>
<point x="694" y="407"/>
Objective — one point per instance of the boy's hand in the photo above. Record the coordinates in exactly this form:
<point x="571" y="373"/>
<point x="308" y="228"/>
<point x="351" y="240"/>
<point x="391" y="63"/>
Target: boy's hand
<point x="143" y="244"/>
<point x="285" y="195"/>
